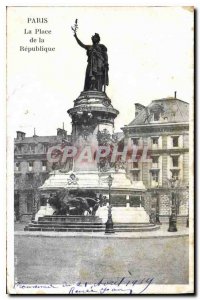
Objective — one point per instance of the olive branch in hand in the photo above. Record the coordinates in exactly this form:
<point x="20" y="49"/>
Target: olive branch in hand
<point x="75" y="27"/>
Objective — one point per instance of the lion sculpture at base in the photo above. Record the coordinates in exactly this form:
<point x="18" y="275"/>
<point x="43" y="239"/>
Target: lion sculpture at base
<point x="76" y="203"/>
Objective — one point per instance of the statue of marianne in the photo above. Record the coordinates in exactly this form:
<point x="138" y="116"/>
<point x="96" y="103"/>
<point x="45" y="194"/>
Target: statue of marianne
<point x="96" y="77"/>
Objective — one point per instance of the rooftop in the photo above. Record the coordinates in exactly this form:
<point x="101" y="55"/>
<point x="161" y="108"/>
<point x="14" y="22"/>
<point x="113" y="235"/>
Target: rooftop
<point x="166" y="110"/>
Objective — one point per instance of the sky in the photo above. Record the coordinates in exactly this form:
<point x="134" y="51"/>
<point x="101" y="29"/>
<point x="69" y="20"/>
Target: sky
<point x="150" y="52"/>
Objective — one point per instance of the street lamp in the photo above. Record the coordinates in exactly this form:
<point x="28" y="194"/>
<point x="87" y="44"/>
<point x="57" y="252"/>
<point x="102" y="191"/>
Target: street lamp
<point x="109" y="223"/>
<point x="34" y="209"/>
<point x="187" y="222"/>
<point x="157" y="209"/>
<point x="173" y="216"/>
<point x="36" y="201"/>
<point x="154" y="217"/>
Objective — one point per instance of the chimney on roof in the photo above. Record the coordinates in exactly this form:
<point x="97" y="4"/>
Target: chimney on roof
<point x="34" y="134"/>
<point x="175" y="94"/>
<point x="21" y="135"/>
<point x="138" y="108"/>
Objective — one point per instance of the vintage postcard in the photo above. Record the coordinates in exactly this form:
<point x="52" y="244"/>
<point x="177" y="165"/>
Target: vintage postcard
<point x="100" y="149"/>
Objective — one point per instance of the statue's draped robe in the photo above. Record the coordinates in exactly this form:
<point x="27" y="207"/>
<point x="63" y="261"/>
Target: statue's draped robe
<point x="96" y="72"/>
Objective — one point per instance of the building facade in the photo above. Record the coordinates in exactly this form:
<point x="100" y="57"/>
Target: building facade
<point x="32" y="168"/>
<point x="160" y="135"/>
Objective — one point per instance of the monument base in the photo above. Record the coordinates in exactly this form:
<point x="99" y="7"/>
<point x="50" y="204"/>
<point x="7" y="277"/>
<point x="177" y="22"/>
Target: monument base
<point x="44" y="211"/>
<point x="124" y="214"/>
<point x="90" y="224"/>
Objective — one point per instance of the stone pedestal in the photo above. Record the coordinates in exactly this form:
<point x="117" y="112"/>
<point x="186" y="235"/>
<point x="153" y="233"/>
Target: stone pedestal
<point x="93" y="180"/>
<point x="92" y="112"/>
<point x="124" y="214"/>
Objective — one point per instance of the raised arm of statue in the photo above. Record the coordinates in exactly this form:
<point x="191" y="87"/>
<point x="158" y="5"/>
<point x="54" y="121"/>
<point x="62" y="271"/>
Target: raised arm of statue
<point x="80" y="43"/>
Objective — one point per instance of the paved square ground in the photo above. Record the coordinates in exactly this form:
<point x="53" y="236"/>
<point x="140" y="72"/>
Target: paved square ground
<point x="72" y="259"/>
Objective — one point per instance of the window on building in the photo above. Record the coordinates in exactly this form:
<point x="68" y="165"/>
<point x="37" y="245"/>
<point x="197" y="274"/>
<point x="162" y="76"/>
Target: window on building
<point x="175" y="161"/>
<point x="45" y="147"/>
<point x="135" y="141"/>
<point x="17" y="166"/>
<point x="155" y="161"/>
<point x="30" y="166"/>
<point x="32" y="148"/>
<point x="156" y="116"/>
<point x="175" y="141"/>
<point x="175" y="174"/>
<point x="135" y="176"/>
<point x="155" y="176"/>
<point x="135" y="165"/>
<point x="155" y="140"/>
<point x="16" y="205"/>
<point x="44" y="165"/>
<point x="40" y="148"/>
<point x="29" y="177"/>
<point x="19" y="149"/>
<point x="29" y="203"/>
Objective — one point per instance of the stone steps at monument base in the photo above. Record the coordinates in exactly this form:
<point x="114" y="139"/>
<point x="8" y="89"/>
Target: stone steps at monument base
<point x="71" y="219"/>
<point x="116" y="204"/>
<point x="65" y="222"/>
<point x="137" y="229"/>
<point x="89" y="227"/>
<point x="81" y="224"/>
<point x="65" y="225"/>
<point x="84" y="224"/>
<point x="181" y="219"/>
<point x="142" y="229"/>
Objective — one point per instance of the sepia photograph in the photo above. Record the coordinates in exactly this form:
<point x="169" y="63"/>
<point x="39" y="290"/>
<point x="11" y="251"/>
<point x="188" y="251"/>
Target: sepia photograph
<point x="100" y="149"/>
